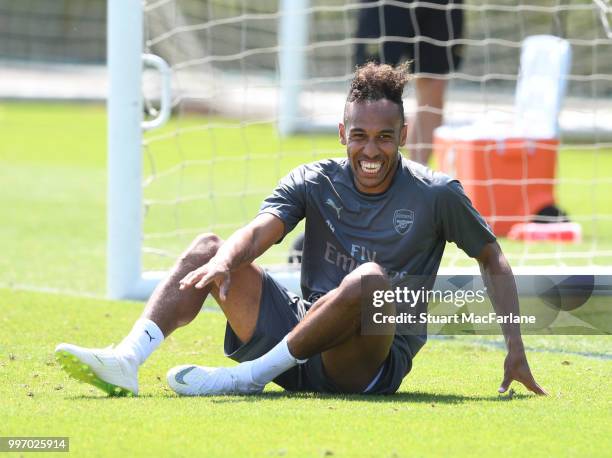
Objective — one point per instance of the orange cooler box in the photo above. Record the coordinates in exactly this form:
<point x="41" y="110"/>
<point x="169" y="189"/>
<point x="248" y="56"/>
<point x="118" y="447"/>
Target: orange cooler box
<point x="508" y="180"/>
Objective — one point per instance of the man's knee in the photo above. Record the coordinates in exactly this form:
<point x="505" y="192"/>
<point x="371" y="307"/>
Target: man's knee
<point x="374" y="272"/>
<point x="202" y="249"/>
<point x="370" y="268"/>
<point x="363" y="279"/>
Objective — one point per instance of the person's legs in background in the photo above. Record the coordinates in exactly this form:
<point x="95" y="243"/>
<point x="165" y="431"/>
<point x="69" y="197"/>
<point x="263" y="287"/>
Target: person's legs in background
<point x="428" y="116"/>
<point x="431" y="65"/>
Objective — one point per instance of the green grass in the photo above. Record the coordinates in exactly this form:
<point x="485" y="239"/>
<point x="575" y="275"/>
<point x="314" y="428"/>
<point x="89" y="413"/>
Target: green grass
<point x="52" y="198"/>
<point x="53" y="176"/>
<point x="447" y="405"/>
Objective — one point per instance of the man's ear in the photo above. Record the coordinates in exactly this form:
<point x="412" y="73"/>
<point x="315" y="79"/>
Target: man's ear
<point x="342" y="133"/>
<point x="403" y="134"/>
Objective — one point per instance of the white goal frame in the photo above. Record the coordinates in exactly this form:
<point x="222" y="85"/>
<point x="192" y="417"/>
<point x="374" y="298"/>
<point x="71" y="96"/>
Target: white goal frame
<point x="125" y="276"/>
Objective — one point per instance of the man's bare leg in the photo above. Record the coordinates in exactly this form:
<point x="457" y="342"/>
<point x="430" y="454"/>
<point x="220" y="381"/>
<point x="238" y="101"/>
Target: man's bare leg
<point x="115" y="371"/>
<point x="430" y="104"/>
<point x="331" y="327"/>
<point x="170" y="307"/>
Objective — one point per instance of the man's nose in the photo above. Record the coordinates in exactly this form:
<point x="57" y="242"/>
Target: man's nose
<point x="371" y="149"/>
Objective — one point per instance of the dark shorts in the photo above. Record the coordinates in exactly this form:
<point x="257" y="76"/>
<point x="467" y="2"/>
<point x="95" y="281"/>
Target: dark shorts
<point x="279" y="312"/>
<point x="409" y="21"/>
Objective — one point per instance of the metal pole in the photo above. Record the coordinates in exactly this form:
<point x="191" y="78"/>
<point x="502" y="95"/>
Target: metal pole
<point x="124" y="193"/>
<point x="292" y="40"/>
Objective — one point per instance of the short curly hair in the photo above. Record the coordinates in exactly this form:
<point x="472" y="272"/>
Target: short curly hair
<point x="374" y="82"/>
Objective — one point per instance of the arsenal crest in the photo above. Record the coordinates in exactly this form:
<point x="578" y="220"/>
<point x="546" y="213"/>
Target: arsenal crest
<point x="402" y="220"/>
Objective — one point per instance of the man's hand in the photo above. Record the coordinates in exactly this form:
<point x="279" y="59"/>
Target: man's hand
<point x="209" y="272"/>
<point x="243" y="247"/>
<point x="517" y="368"/>
<point x="497" y="275"/>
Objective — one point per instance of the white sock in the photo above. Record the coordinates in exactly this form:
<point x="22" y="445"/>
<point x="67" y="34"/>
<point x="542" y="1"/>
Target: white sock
<point x="269" y="366"/>
<point x="142" y="340"/>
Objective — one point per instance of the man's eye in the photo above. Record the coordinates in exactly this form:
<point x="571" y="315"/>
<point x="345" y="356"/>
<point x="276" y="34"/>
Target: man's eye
<point x="385" y="137"/>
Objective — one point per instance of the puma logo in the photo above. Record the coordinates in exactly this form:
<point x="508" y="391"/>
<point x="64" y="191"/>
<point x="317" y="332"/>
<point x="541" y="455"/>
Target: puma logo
<point x="333" y="205"/>
<point x="151" y="338"/>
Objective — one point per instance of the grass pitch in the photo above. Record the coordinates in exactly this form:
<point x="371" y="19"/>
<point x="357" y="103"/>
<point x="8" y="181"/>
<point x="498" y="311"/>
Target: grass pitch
<point x="52" y="171"/>
<point x="447" y="406"/>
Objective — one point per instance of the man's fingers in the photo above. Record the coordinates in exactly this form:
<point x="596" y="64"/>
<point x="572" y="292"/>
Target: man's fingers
<point x="505" y="384"/>
<point x="186" y="278"/>
<point x="206" y="279"/>
<point x="189" y="279"/>
<point x="539" y="390"/>
<point x="533" y="386"/>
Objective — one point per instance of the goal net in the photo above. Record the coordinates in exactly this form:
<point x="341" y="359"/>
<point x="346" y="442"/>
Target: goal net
<point x="258" y="88"/>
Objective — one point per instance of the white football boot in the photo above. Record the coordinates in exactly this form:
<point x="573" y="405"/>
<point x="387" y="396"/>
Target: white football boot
<point x="192" y="380"/>
<point x="103" y="368"/>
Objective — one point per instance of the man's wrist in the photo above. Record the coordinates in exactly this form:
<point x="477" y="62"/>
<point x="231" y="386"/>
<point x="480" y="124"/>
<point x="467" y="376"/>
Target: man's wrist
<point x="514" y="343"/>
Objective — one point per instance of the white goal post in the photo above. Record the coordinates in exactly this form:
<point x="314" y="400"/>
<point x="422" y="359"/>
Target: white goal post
<point x="126" y="277"/>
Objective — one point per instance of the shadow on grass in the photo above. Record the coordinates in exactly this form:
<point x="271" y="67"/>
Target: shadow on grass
<point x="415" y="397"/>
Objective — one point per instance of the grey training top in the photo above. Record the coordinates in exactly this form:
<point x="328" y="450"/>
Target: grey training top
<point x="403" y="229"/>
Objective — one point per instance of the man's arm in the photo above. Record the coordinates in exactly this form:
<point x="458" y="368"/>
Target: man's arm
<point x="241" y="248"/>
<point x="498" y="279"/>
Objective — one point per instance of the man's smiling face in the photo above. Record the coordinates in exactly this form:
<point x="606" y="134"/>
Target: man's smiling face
<point x="372" y="133"/>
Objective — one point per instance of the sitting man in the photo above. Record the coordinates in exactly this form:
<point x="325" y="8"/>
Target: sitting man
<point x="351" y="206"/>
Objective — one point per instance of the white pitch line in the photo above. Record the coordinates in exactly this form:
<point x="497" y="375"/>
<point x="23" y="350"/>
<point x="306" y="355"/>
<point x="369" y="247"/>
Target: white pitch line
<point x="48" y="290"/>
<point x="502" y="346"/>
